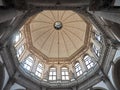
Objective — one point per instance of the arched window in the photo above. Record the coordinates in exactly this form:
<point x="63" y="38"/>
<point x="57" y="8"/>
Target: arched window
<point x="52" y="74"/>
<point x="88" y="61"/>
<point x="39" y="70"/>
<point x="18" y="37"/>
<point x="78" y="69"/>
<point x="65" y="73"/>
<point x="96" y="50"/>
<point x="20" y="50"/>
<point x="28" y="63"/>
<point x="98" y="37"/>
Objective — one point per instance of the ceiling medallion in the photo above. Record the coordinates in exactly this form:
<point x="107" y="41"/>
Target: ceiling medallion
<point x="58" y="25"/>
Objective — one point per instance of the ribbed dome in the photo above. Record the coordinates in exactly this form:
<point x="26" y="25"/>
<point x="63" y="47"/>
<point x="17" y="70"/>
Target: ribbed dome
<point x="57" y="33"/>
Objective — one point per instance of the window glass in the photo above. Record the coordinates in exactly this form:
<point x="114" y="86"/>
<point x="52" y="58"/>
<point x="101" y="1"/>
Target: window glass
<point x="20" y="50"/>
<point x="96" y="50"/>
<point x="18" y="37"/>
<point x="28" y="63"/>
<point x="39" y="70"/>
<point x="65" y="74"/>
<point x="88" y="61"/>
<point x="98" y="37"/>
<point x="52" y="74"/>
<point x="78" y="69"/>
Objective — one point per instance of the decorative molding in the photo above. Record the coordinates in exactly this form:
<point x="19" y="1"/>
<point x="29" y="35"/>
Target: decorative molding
<point x="75" y="55"/>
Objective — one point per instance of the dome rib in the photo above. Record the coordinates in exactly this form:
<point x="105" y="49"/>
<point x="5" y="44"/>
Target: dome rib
<point x="44" y="29"/>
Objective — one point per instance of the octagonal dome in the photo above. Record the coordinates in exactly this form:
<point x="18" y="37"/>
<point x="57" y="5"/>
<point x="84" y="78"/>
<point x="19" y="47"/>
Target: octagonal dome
<point x="57" y="34"/>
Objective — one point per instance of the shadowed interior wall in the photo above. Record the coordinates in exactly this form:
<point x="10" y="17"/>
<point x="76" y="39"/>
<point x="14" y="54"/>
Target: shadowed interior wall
<point x="1" y="75"/>
<point x="116" y="74"/>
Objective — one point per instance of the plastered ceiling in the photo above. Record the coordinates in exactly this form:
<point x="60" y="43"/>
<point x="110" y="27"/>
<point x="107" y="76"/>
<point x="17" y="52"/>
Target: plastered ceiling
<point x="57" y="34"/>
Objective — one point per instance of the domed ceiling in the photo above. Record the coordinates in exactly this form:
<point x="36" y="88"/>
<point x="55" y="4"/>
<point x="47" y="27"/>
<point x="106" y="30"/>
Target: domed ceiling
<point x="57" y="34"/>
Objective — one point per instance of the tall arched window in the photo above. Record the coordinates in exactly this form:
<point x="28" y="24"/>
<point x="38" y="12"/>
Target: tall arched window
<point x="39" y="70"/>
<point x="96" y="50"/>
<point x="28" y="63"/>
<point x="65" y="73"/>
<point x="52" y="74"/>
<point x="98" y="37"/>
<point x="78" y="69"/>
<point x="17" y="37"/>
<point x="20" y="50"/>
<point x="88" y="61"/>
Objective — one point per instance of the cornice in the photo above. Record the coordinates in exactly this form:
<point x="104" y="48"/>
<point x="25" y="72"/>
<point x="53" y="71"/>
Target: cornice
<point x="74" y="56"/>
